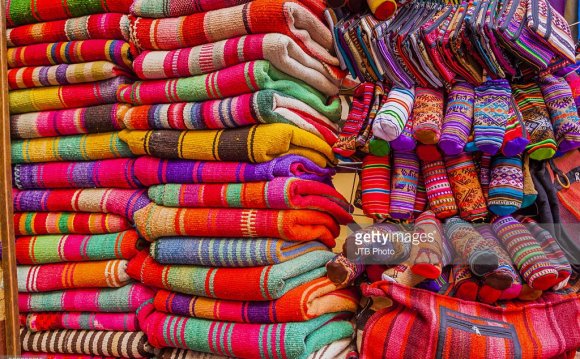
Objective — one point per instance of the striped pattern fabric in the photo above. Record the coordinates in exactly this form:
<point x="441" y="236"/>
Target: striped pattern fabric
<point x="392" y="117"/>
<point x="120" y="322"/>
<point x="465" y="185"/>
<point x="376" y="186"/>
<point x="35" y="223"/>
<point x="310" y="300"/>
<point x="506" y="186"/>
<point x="76" y="248"/>
<point x="249" y="144"/>
<point x="490" y="115"/>
<point x="437" y="186"/>
<point x="357" y="116"/>
<point x="173" y="8"/>
<point x="428" y="115"/>
<point x="229" y="252"/>
<point x="458" y="119"/>
<point x="154" y="222"/>
<point x="252" y="283"/>
<point x="404" y="180"/>
<point x="49" y="277"/>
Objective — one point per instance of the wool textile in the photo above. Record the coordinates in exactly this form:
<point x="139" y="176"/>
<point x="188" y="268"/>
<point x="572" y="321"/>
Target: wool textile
<point x="120" y="322"/>
<point x="33" y="223"/>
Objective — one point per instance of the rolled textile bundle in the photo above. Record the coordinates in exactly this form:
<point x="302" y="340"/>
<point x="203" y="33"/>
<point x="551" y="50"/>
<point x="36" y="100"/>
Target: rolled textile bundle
<point x="458" y="120"/>
<point x="376" y="186"/>
<point x="62" y="97"/>
<point x="110" y="300"/>
<point x="174" y="8"/>
<point x="89" y="342"/>
<point x="49" y="277"/>
<point x="258" y="143"/>
<point x="21" y="12"/>
<point x="151" y="171"/>
<point x="94" y="119"/>
<point x="119" y="322"/>
<point x="464" y="181"/>
<point x="404" y="179"/>
<point x="76" y="248"/>
<point x="280" y="50"/>
<point x="154" y="221"/>
<point x="73" y="52"/>
<point x="116" y="173"/>
<point x="33" y="223"/>
<point x="113" y="26"/>
<point x="310" y="300"/>
<point x="258" y="17"/>
<point x="251" y="283"/>
<point x="279" y="193"/>
<point x="292" y="340"/>
<point x="229" y="252"/>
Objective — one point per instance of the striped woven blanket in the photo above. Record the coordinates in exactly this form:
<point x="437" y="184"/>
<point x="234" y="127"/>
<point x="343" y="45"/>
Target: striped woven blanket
<point x="229" y="252"/>
<point x="155" y="221"/>
<point x="33" y="355"/>
<point x="120" y="322"/>
<point x="259" y="143"/>
<point x="48" y="277"/>
<point x="279" y="193"/>
<point x="113" y="26"/>
<point x="112" y="300"/>
<point x="251" y="283"/>
<point x="282" y="340"/>
<point x="117" y="51"/>
<point x="280" y="50"/>
<point x="310" y="300"/>
<point x="89" y="342"/>
<point x="76" y="248"/>
<point x="33" y="223"/>
<point x="70" y="96"/>
<point x="97" y="146"/>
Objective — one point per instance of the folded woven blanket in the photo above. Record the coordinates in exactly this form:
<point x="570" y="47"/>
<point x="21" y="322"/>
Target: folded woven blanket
<point x="155" y="221"/>
<point x="285" y="340"/>
<point x="48" y="277"/>
<point x="279" y="193"/>
<point x="114" y="300"/>
<point x="61" y="97"/>
<point x="252" y="283"/>
<point x="229" y="252"/>
<point x="101" y="26"/>
<point x="117" y="51"/>
<point x="124" y="202"/>
<point x="89" y="342"/>
<point x="258" y="17"/>
<point x="119" y="322"/>
<point x="280" y="50"/>
<point x="76" y="248"/>
<point x="95" y="119"/>
<point x="150" y="171"/>
<point x="32" y="223"/>
<point x="258" y="143"/>
<point x="96" y="146"/>
<point x="33" y="355"/>
<point x="119" y="173"/>
<point x="21" y="12"/>
<point x="310" y="300"/>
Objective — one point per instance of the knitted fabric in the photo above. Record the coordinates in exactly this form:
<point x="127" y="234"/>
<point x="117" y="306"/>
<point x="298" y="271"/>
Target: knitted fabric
<point x="75" y="248"/>
<point x="490" y="115"/>
<point x="516" y="138"/>
<point x="421" y="197"/>
<point x="119" y="322"/>
<point x="280" y="50"/>
<point x="110" y="300"/>
<point x="537" y="121"/>
<point x="310" y="300"/>
<point x="34" y="223"/>
<point x="100" y="26"/>
<point x="61" y="97"/>
<point x="21" y="12"/>
<point x="229" y="252"/>
<point x="98" y="146"/>
<point x="279" y="193"/>
<point x="402" y="274"/>
<point x="359" y="110"/>
<point x="119" y="173"/>
<point x="506" y="186"/>
<point x="73" y="52"/>
<point x="437" y="185"/>
<point x="342" y="271"/>
<point x="154" y="222"/>
<point x="505" y="276"/>
<point x="465" y="284"/>
<point x="405" y="142"/>
<point x="260" y="143"/>
<point x="563" y="112"/>
<point x="392" y="117"/>
<point x="530" y="194"/>
<point x="251" y="283"/>
<point x="33" y="355"/>
<point x="89" y="342"/>
<point x="404" y="178"/>
<point x="173" y="8"/>
<point x="96" y="119"/>
<point x="458" y="119"/>
<point x="526" y="253"/>
<point x="427" y="257"/>
<point x="48" y="277"/>
<point x="376" y="186"/>
<point x="465" y="186"/>
<point x="428" y="115"/>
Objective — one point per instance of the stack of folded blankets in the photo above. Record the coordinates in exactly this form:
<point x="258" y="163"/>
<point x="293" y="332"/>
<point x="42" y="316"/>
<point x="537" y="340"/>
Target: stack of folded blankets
<point x="75" y="194"/>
